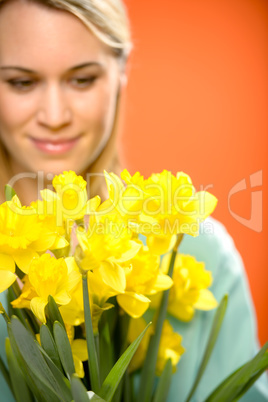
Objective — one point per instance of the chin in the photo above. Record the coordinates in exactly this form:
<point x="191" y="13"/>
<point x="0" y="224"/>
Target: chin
<point x="53" y="169"/>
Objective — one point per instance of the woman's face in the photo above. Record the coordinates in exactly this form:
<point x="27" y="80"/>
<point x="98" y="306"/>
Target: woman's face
<point x="58" y="89"/>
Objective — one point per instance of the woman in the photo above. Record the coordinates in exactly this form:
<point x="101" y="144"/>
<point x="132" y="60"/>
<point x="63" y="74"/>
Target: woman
<point x="62" y="113"/>
<point x="62" y="68"/>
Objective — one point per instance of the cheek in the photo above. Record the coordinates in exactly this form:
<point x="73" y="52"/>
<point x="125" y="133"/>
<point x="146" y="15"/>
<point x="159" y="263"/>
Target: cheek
<point x="15" y="111"/>
<point x="96" y="109"/>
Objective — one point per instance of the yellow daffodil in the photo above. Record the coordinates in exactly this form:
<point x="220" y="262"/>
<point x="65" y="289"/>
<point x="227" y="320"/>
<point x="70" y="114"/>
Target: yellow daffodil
<point x="105" y="247"/>
<point x="49" y="222"/>
<point x="161" y="206"/>
<point x="189" y="291"/>
<point x="48" y="276"/>
<point x="79" y="351"/>
<point x="7" y="276"/>
<point x="127" y="200"/>
<point x="169" y="347"/>
<point x="23" y="236"/>
<point x="73" y="312"/>
<point x="80" y="354"/>
<point x="69" y="202"/>
<point x="143" y="278"/>
<point x="27" y="294"/>
<point x="107" y="238"/>
<point x="121" y="266"/>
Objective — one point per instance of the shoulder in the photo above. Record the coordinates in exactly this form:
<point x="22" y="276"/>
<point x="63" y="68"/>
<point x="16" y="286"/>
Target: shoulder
<point x="216" y="248"/>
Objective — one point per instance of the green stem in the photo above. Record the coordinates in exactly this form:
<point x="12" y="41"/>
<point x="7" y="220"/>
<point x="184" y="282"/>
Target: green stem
<point x="124" y="321"/>
<point x="4" y="314"/>
<point x="127" y="388"/>
<point x="92" y="354"/>
<point x="97" y="345"/>
<point x="148" y="370"/>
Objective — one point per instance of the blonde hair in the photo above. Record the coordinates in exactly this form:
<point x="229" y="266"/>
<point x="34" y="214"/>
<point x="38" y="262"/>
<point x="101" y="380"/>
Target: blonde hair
<point x="108" y="21"/>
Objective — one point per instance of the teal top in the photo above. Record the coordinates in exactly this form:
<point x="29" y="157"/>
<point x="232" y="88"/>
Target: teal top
<point x="237" y="341"/>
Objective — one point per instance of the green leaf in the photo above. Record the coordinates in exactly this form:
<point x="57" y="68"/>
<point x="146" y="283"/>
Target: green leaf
<point x="5" y="373"/>
<point x="64" y="384"/>
<point x="19" y="385"/>
<point x="113" y="379"/>
<point x="42" y="392"/>
<point x="23" y="366"/>
<point x="123" y="326"/>
<point x="164" y="382"/>
<point x="235" y="385"/>
<point x="30" y="353"/>
<point x="48" y="344"/>
<point x="9" y="192"/>
<point x="64" y="348"/>
<point x="251" y="381"/>
<point x="216" y="326"/>
<point x="79" y="392"/>
<point x="53" y="313"/>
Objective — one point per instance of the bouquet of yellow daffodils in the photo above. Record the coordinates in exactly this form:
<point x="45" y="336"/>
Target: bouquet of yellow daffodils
<point x="80" y="274"/>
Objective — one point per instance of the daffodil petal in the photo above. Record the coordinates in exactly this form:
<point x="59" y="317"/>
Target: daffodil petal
<point x="113" y="276"/>
<point x="134" y="304"/>
<point x="114" y="185"/>
<point x="201" y="206"/>
<point x="135" y="247"/>
<point x="44" y="242"/>
<point x="24" y="258"/>
<point x="163" y="282"/>
<point x="48" y="195"/>
<point x="38" y="305"/>
<point x="6" y="279"/>
<point x="62" y="298"/>
<point x="71" y="264"/>
<point x="78" y="365"/>
<point x="161" y="245"/>
<point x="79" y="349"/>
<point x="181" y="312"/>
<point x="93" y="204"/>
<point x="7" y="263"/>
<point x="206" y="300"/>
<point x="59" y="242"/>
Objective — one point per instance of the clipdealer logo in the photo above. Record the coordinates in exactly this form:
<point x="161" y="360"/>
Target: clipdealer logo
<point x="256" y="211"/>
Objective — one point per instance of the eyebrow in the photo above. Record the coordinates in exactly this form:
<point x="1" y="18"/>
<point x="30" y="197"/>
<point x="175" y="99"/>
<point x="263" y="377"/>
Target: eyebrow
<point x="28" y="71"/>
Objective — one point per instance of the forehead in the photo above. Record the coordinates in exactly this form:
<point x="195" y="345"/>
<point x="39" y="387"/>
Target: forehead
<point x="34" y="36"/>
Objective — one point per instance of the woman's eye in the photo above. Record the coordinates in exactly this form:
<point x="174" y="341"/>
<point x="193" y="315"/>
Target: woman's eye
<point x="82" y="82"/>
<point x="22" y="84"/>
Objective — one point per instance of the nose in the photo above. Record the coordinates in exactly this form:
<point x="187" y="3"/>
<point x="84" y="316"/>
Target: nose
<point x="54" y="111"/>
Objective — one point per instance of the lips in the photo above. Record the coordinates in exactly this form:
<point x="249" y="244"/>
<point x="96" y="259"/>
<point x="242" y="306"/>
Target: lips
<point x="55" y="147"/>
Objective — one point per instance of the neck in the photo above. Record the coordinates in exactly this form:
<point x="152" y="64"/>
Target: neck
<point x="28" y="186"/>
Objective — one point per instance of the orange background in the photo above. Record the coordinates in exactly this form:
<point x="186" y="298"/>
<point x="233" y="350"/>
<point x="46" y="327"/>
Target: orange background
<point x="197" y="101"/>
